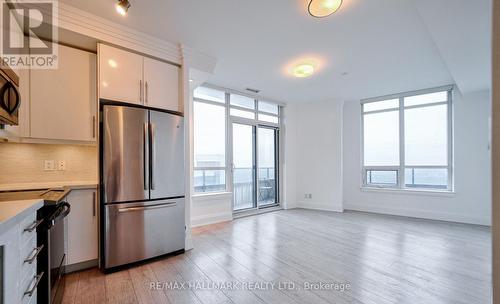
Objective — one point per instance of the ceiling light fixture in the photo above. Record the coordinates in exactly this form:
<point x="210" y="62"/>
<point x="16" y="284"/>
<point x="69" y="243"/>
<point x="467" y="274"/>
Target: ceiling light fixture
<point x="112" y="63"/>
<point x="303" y="70"/>
<point x="323" y="8"/>
<point x="122" y="7"/>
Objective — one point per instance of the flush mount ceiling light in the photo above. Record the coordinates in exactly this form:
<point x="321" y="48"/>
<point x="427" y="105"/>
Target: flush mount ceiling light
<point x="122" y="7"/>
<point x="323" y="8"/>
<point x="303" y="70"/>
<point x="112" y="63"/>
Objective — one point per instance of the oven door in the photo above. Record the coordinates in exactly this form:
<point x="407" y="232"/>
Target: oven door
<point x="57" y="252"/>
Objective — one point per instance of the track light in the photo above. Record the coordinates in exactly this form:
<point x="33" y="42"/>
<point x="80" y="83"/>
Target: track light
<point x="122" y="7"/>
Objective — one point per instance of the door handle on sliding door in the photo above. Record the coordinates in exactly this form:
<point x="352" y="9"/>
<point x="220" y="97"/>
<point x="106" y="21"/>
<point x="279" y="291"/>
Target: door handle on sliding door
<point x="145" y="155"/>
<point x="152" y="133"/>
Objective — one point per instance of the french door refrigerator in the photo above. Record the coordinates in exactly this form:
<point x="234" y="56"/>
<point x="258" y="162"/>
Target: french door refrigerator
<point x="142" y="184"/>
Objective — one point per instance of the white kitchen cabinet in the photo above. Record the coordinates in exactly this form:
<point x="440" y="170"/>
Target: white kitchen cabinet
<point x="82" y="223"/>
<point x="136" y="79"/>
<point x="161" y="81"/>
<point x="120" y="75"/>
<point x="17" y="245"/>
<point x="9" y="241"/>
<point x="63" y="101"/>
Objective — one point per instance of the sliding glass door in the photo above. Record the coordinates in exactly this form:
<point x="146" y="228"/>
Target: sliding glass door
<point x="244" y="175"/>
<point x="255" y="169"/>
<point x="267" y="159"/>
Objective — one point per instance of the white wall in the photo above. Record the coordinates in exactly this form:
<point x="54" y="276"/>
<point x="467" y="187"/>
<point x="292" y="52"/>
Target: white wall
<point x="318" y="162"/>
<point x="289" y="157"/>
<point x="472" y="201"/>
<point x="496" y="151"/>
<point x="211" y="208"/>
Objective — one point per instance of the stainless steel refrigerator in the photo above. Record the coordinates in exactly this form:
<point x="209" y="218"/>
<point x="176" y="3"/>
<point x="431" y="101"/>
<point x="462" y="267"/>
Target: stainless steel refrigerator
<point x="142" y="184"/>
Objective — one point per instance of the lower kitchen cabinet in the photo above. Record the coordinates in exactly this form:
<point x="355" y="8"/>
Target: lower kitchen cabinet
<point x="19" y="277"/>
<point x="82" y="236"/>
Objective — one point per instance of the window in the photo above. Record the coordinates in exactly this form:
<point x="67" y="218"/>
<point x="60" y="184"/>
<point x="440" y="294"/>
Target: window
<point x="268" y="112"/>
<point x="209" y="142"/>
<point x="216" y="112"/>
<point x="407" y="141"/>
<point x="242" y="101"/>
<point x="249" y="108"/>
<point x="209" y="94"/>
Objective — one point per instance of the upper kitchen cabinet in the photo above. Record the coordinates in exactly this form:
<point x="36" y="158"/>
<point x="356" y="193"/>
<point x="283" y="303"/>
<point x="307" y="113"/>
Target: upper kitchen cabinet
<point x="63" y="101"/>
<point x="136" y="79"/>
<point x="120" y="75"/>
<point x="161" y="81"/>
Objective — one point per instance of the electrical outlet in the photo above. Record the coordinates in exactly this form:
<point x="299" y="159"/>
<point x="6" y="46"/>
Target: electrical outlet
<point x="61" y="165"/>
<point x="308" y="195"/>
<point x="48" y="165"/>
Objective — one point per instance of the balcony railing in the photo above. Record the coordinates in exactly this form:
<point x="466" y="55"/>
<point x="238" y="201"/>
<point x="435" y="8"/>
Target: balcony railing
<point x="243" y="186"/>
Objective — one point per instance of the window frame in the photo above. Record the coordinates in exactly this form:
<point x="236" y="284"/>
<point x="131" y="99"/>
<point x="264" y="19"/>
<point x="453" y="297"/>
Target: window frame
<point x="209" y="168"/>
<point x="228" y="140"/>
<point x="401" y="168"/>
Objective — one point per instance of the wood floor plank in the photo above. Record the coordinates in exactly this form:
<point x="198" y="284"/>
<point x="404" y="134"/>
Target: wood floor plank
<point x="142" y="277"/>
<point x="120" y="289"/>
<point x="71" y="288"/>
<point x="166" y="273"/>
<point x="191" y="273"/>
<point x="385" y="259"/>
<point x="91" y="287"/>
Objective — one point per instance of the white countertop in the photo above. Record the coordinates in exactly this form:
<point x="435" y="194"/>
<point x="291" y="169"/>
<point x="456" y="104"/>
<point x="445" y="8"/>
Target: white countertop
<point x="12" y="212"/>
<point x="31" y="186"/>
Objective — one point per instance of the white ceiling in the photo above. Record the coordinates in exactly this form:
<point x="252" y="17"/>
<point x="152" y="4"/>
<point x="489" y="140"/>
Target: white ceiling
<point x="385" y="46"/>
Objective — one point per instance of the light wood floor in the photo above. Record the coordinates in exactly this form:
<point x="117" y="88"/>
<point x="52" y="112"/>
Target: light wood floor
<point x="385" y="259"/>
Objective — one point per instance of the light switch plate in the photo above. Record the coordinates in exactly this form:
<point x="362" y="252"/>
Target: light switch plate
<point x="48" y="165"/>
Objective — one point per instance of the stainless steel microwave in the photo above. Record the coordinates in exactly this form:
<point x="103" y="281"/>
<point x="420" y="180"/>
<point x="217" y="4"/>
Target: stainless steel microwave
<point x="10" y="98"/>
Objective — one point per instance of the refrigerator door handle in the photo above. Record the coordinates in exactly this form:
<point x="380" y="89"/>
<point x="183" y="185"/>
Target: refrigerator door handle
<point x="145" y="155"/>
<point x="153" y="155"/>
<point x="144" y="208"/>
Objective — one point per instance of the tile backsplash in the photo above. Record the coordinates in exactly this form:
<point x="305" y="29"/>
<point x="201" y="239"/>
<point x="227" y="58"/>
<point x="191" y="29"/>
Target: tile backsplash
<point x="24" y="163"/>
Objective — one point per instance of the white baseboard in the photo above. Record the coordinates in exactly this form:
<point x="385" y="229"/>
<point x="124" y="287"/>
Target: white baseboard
<point x="431" y="215"/>
<point x="208" y="219"/>
<point x="320" y="206"/>
<point x="287" y="206"/>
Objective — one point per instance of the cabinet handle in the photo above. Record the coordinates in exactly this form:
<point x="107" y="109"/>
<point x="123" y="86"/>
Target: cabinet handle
<point x="33" y="226"/>
<point x="94" y="202"/>
<point x="34" y="254"/>
<point x="140" y="90"/>
<point x="147" y="92"/>
<point x="93" y="126"/>
<point x="30" y="291"/>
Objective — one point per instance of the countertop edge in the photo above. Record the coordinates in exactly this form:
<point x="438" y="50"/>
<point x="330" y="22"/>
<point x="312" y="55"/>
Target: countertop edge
<point x="7" y="224"/>
<point x="75" y="185"/>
